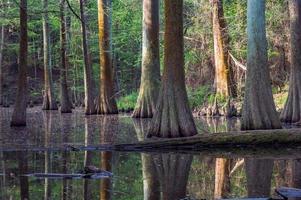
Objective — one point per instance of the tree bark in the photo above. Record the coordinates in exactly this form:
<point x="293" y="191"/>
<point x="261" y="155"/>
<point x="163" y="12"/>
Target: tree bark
<point x="19" y="113"/>
<point x="107" y="100"/>
<point x="89" y="100"/>
<point x="150" y="72"/>
<point x="259" y="177"/>
<point x="224" y="80"/>
<point x="292" y="109"/>
<point x="66" y="106"/>
<point x="259" y="110"/>
<point x="173" y="117"/>
<point x="49" y="102"/>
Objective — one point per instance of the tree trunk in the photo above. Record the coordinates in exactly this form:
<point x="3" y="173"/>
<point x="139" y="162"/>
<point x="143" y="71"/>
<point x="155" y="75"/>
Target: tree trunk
<point x="89" y="100"/>
<point x="1" y="60"/>
<point x="224" y="81"/>
<point x="173" y="117"/>
<point x="19" y="113"/>
<point x="49" y="102"/>
<point x="47" y="125"/>
<point x="66" y="106"/>
<point x="222" y="178"/>
<point x="259" y="177"/>
<point x="23" y="180"/>
<point x="292" y="109"/>
<point x="259" y="110"/>
<point x="150" y="77"/>
<point x="149" y="173"/>
<point x="107" y="100"/>
<point x="88" y="159"/>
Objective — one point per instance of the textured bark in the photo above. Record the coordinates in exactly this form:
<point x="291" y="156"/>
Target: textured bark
<point x="259" y="176"/>
<point x="66" y="106"/>
<point x="150" y="72"/>
<point x="49" y="102"/>
<point x="89" y="100"/>
<point x="224" y="81"/>
<point x="173" y="172"/>
<point x="259" y="110"/>
<point x="2" y="36"/>
<point x="19" y="113"/>
<point x="292" y="108"/>
<point x="149" y="173"/>
<point x="173" y="116"/>
<point x="222" y="178"/>
<point x="107" y="100"/>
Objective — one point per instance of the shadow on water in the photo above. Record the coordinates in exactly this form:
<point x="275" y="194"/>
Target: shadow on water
<point x="136" y="176"/>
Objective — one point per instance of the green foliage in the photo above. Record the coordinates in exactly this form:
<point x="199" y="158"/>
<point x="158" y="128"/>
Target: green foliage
<point x="127" y="102"/>
<point x="198" y="96"/>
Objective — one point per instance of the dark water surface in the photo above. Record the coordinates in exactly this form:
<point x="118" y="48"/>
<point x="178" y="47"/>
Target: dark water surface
<point x="136" y="176"/>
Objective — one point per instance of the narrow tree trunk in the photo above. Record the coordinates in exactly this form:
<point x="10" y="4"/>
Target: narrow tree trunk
<point x="88" y="194"/>
<point x="259" y="177"/>
<point x="292" y="109"/>
<point x="107" y="100"/>
<point x="49" y="102"/>
<point x="259" y="110"/>
<point x="66" y="106"/>
<point x="19" y="113"/>
<point x="150" y="77"/>
<point x="1" y="61"/>
<point x="47" y="125"/>
<point x="224" y="82"/>
<point x="89" y="100"/>
<point x="173" y="117"/>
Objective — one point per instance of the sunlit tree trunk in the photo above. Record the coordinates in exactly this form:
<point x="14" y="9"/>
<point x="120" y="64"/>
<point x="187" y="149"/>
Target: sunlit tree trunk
<point x="224" y="82"/>
<point x="292" y="108"/>
<point x="19" y="113"/>
<point x="107" y="100"/>
<point x="259" y="110"/>
<point x="66" y="106"/>
<point x="49" y="102"/>
<point x="173" y="117"/>
<point x="150" y="178"/>
<point x="259" y="177"/>
<point x="222" y="178"/>
<point x="89" y="100"/>
<point x="150" y="72"/>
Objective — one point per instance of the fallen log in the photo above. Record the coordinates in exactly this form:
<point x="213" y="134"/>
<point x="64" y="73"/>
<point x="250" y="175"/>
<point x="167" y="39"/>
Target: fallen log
<point x="254" y="138"/>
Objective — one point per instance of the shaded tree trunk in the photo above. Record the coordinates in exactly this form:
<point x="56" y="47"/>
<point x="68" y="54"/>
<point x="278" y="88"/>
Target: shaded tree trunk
<point x="89" y="100"/>
<point x="49" y="102"/>
<point x="149" y="173"/>
<point x="2" y="36"/>
<point x="224" y="80"/>
<point x="19" y="113"/>
<point x="66" y="106"/>
<point x="292" y="108"/>
<point x="150" y="77"/>
<point x="173" y="117"/>
<point x="259" y="110"/>
<point x="259" y="177"/>
<point x="107" y="100"/>
<point x="23" y="169"/>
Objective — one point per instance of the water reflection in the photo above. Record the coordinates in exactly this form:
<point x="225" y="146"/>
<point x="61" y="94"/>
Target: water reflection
<point x="149" y="176"/>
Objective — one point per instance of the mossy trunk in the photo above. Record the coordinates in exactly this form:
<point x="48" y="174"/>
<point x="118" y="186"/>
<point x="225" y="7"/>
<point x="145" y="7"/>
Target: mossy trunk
<point x="107" y="99"/>
<point x="259" y="177"/>
<point x="173" y="117"/>
<point x="66" y="106"/>
<point x="19" y="113"/>
<point x="224" y="80"/>
<point x="150" y="72"/>
<point x="149" y="173"/>
<point x="90" y="108"/>
<point x="292" y="109"/>
<point x="259" y="110"/>
<point x="49" y="102"/>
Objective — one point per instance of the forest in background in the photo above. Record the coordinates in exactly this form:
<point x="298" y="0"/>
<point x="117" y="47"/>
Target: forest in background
<point x="126" y="41"/>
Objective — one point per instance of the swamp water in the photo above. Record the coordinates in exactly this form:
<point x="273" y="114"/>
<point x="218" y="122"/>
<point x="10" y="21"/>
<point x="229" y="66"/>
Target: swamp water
<point x="43" y="148"/>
